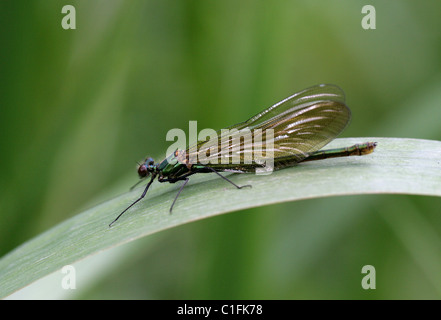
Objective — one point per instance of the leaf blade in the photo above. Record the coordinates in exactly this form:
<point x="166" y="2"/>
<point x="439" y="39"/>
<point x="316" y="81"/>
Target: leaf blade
<point x="402" y="166"/>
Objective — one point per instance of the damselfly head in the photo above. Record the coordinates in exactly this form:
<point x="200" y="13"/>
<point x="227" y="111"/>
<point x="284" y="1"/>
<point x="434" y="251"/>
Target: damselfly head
<point x="146" y="168"/>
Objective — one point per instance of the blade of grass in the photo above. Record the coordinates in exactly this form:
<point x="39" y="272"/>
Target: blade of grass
<point x="405" y="166"/>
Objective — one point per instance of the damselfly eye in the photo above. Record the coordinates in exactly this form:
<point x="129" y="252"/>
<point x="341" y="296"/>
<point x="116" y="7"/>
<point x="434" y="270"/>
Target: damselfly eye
<point x="142" y="171"/>
<point x="150" y="161"/>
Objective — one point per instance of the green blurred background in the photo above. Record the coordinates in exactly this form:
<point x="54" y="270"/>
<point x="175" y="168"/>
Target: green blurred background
<point x="79" y="107"/>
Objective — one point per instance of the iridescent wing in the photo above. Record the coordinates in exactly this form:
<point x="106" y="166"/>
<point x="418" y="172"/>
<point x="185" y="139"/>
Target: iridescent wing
<point x="302" y="123"/>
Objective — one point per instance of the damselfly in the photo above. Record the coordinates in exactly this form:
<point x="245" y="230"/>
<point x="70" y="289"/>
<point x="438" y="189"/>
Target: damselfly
<point x="300" y="126"/>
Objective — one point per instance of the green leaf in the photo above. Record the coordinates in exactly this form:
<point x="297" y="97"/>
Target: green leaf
<point x="404" y="166"/>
